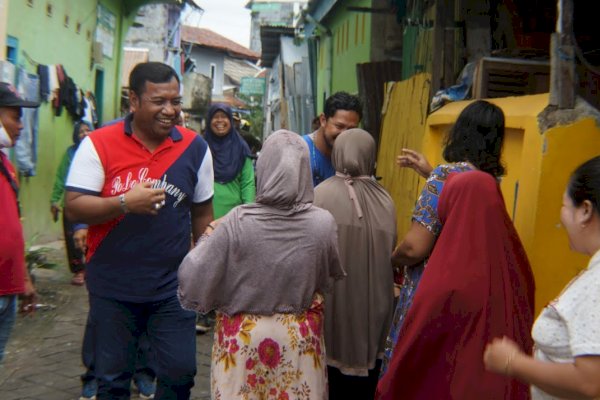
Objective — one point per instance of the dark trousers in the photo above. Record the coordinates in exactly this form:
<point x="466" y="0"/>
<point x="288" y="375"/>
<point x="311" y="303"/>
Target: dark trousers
<point x="74" y="255"/>
<point x="145" y="363"/>
<point x="343" y="387"/>
<point x="117" y="327"/>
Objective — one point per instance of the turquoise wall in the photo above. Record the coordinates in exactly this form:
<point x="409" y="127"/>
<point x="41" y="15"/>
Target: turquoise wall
<point x="348" y="45"/>
<point x="49" y="40"/>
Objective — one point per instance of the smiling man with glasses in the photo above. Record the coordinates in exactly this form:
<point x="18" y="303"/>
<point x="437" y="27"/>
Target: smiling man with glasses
<point x="145" y="186"/>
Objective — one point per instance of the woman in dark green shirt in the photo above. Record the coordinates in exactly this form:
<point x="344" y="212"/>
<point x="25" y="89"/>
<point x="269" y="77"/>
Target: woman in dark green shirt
<point x="74" y="252"/>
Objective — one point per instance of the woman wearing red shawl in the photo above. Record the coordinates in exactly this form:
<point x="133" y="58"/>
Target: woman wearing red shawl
<point x="478" y="285"/>
<point x="474" y="142"/>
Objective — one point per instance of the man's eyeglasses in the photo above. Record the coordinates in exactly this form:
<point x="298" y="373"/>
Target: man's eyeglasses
<point x="160" y="102"/>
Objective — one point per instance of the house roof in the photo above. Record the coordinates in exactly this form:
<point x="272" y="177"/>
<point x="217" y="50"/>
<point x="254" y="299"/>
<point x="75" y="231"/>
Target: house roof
<point x="270" y="43"/>
<point x="229" y="99"/>
<point x="207" y="38"/>
<point x="131" y="58"/>
<point x="237" y="69"/>
<point x="132" y="5"/>
<point x="320" y="8"/>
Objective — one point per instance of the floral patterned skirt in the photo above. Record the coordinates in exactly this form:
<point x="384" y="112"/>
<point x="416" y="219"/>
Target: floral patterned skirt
<point x="278" y="357"/>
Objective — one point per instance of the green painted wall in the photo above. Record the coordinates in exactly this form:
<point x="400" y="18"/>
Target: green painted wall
<point x="417" y="49"/>
<point x="348" y="45"/>
<point x="48" y="40"/>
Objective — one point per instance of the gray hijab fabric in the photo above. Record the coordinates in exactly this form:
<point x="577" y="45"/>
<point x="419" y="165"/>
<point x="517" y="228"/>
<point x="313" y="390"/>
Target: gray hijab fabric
<point x="363" y="302"/>
<point x="283" y="174"/>
<point x="271" y="256"/>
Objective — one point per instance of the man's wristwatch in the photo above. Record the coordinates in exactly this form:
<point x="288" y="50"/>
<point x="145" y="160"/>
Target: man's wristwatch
<point x="122" y="203"/>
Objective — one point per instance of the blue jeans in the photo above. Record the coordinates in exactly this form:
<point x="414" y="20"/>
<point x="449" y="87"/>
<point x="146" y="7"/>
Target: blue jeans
<point x="8" y="313"/>
<point x="117" y="327"/>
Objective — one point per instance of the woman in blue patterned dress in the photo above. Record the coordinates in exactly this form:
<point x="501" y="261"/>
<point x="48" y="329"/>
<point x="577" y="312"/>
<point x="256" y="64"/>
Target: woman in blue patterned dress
<point x="474" y="142"/>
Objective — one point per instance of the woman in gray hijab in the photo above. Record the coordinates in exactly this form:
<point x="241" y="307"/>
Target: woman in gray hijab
<point x="264" y="269"/>
<point x="359" y="310"/>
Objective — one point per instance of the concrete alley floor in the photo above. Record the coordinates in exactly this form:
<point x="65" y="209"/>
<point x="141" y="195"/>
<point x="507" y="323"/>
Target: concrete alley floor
<point x="43" y="356"/>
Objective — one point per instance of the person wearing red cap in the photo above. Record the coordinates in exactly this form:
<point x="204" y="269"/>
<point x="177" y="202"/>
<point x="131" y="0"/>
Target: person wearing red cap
<point x="14" y="277"/>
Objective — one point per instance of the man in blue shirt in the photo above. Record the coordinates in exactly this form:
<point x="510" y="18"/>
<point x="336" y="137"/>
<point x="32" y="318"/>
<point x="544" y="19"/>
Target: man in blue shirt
<point x="342" y="111"/>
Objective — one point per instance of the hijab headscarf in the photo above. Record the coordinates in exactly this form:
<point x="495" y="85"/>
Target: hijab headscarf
<point x="363" y="303"/>
<point x="271" y="256"/>
<point x="477" y="286"/>
<point x="283" y="174"/>
<point x="229" y="152"/>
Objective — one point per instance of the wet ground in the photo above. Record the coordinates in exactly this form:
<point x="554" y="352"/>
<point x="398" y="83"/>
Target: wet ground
<point x="43" y="356"/>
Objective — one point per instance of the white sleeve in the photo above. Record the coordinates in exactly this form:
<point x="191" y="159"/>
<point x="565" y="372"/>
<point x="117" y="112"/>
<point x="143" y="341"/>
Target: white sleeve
<point x="204" y="187"/>
<point x="582" y="314"/>
<point x="86" y="174"/>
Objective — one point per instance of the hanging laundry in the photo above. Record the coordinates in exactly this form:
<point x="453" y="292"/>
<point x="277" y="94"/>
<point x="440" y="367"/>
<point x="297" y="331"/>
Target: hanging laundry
<point x="91" y="114"/>
<point x="54" y="85"/>
<point x="58" y="100"/>
<point x="44" y="74"/>
<point x="28" y="86"/>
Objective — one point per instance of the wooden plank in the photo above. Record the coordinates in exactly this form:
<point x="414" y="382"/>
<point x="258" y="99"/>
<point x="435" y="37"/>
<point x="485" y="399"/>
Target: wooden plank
<point x="562" y="87"/>
<point x="371" y="78"/>
<point x="437" y="68"/>
<point x="449" y="73"/>
<point x="403" y="126"/>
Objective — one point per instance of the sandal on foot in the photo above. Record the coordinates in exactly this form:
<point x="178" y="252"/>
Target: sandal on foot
<point x="78" y="279"/>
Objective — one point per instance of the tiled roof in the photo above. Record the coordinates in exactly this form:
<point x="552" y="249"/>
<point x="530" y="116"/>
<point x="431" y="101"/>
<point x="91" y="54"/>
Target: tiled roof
<point x="229" y="99"/>
<point x="237" y="69"/>
<point x="207" y="38"/>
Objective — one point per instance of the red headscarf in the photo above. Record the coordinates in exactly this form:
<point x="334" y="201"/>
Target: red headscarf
<point x="477" y="285"/>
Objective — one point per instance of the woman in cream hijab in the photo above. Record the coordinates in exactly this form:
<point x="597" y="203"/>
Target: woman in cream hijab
<point x="264" y="270"/>
<point x="359" y="310"/>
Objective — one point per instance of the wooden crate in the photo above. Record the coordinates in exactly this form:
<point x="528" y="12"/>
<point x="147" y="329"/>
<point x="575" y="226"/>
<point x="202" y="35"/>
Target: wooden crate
<point x="504" y="77"/>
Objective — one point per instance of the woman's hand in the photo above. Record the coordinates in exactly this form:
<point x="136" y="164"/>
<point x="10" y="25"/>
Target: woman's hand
<point x="500" y="354"/>
<point x="415" y="160"/>
<point x="212" y="226"/>
<point x="28" y="299"/>
<point x="55" y="211"/>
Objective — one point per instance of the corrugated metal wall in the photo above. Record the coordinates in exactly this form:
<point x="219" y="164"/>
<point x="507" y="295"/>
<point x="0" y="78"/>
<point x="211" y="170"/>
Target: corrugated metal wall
<point x="403" y="127"/>
<point x="372" y="78"/>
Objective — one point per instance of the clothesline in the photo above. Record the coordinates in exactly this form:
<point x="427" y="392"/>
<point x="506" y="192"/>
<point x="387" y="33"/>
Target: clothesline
<point x="28" y="58"/>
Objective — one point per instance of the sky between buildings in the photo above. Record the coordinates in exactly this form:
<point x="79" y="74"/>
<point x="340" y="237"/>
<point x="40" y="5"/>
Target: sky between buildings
<point x="228" y="18"/>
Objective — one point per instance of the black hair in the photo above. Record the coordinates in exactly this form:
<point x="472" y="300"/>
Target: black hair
<point x="585" y="184"/>
<point x="155" y="72"/>
<point x="477" y="137"/>
<point x="342" y="101"/>
<point x="77" y="126"/>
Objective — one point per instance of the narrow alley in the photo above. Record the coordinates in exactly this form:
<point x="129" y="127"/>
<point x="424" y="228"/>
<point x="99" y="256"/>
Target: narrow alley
<point x="43" y="356"/>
